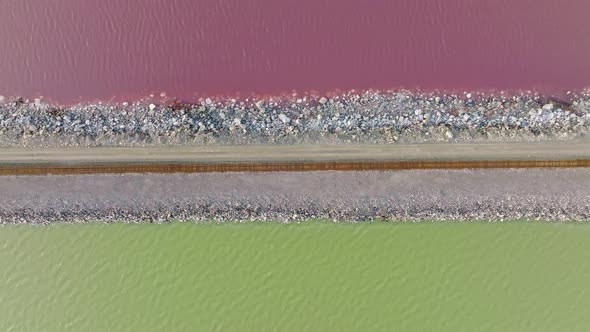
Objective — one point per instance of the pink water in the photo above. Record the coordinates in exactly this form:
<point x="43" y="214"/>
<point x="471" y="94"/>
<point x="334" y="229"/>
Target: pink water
<point x="72" y="50"/>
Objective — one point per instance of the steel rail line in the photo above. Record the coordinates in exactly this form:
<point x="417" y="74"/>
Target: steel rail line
<point x="297" y="166"/>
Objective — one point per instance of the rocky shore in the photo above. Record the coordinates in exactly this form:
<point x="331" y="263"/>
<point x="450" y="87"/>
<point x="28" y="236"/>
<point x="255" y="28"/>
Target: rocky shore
<point x="368" y="117"/>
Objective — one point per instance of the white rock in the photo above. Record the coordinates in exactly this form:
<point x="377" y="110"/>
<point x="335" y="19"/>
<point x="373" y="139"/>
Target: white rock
<point x="2" y="98"/>
<point x="152" y="107"/>
<point x="449" y="134"/>
<point x="208" y="101"/>
<point x="418" y="112"/>
<point x="323" y="100"/>
<point x="237" y="121"/>
<point x="548" y="107"/>
<point x="284" y="118"/>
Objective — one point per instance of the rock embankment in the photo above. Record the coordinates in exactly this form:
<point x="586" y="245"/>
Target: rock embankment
<point x="370" y="117"/>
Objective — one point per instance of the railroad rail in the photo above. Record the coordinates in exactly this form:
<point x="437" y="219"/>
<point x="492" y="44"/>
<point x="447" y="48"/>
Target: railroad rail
<point x="294" y="166"/>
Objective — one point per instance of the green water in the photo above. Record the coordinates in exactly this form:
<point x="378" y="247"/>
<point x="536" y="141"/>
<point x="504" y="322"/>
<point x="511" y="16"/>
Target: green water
<point x="307" y="277"/>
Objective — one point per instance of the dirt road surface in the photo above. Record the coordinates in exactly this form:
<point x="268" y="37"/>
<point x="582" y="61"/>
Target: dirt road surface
<point x="488" y="194"/>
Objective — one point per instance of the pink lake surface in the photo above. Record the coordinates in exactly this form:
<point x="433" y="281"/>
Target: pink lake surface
<point x="73" y="50"/>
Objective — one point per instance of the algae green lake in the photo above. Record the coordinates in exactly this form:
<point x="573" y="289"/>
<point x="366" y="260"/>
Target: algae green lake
<point x="314" y="276"/>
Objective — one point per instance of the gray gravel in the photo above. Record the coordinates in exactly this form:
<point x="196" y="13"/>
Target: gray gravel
<point x="370" y="117"/>
<point x="497" y="194"/>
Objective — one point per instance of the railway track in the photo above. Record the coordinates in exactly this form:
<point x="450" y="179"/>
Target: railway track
<point x="268" y="158"/>
<point x="117" y="168"/>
